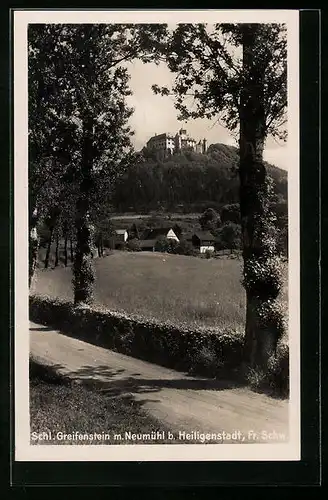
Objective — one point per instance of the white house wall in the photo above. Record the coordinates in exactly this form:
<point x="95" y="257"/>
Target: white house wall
<point x="204" y="248"/>
<point x="172" y="236"/>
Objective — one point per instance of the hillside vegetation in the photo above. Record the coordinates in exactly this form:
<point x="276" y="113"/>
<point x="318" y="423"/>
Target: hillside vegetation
<point x="188" y="182"/>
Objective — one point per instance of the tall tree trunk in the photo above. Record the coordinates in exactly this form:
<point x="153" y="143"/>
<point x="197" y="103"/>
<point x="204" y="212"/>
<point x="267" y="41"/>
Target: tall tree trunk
<point x="46" y="260"/>
<point x="65" y="248"/>
<point x="57" y="250"/>
<point x="83" y="267"/>
<point x="33" y="245"/>
<point x="71" y="250"/>
<point x="102" y="246"/>
<point x="258" y="249"/>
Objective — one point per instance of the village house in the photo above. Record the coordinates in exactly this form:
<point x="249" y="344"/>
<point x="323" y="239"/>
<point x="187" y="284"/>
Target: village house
<point x="148" y="244"/>
<point x="202" y="241"/>
<point x="121" y="236"/>
<point x="162" y="232"/>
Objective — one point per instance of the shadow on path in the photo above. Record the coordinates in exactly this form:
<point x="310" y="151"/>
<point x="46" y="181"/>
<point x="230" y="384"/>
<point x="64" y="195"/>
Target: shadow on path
<point x="113" y="383"/>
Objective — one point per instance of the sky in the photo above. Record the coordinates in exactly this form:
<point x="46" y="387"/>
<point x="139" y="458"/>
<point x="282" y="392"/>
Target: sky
<point x="156" y="114"/>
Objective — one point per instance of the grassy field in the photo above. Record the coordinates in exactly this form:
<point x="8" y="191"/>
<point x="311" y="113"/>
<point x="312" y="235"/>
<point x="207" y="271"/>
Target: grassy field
<point x="179" y="289"/>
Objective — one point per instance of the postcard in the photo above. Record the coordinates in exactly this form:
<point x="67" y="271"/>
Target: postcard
<point x="156" y="201"/>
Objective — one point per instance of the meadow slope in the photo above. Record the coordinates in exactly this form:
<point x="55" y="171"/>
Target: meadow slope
<point x="161" y="286"/>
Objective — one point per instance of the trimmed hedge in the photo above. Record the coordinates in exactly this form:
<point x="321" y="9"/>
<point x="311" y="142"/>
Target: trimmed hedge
<point x="160" y="343"/>
<point x="204" y="351"/>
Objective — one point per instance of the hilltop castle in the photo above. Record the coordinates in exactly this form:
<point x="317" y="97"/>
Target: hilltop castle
<point x="167" y="144"/>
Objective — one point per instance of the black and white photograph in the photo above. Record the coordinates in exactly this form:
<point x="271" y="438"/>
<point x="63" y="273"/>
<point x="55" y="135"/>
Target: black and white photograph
<point x="156" y="235"/>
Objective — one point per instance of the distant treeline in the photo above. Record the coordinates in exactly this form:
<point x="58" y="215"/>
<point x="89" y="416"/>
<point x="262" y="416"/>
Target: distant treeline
<point x="188" y="182"/>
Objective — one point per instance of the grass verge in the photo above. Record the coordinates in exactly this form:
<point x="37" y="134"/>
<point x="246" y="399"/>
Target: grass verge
<point x="59" y="406"/>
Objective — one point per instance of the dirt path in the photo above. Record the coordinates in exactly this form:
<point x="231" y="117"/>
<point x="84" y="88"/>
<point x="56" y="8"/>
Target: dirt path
<point x="182" y="402"/>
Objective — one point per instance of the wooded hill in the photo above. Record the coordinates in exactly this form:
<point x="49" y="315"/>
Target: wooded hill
<point x="188" y="182"/>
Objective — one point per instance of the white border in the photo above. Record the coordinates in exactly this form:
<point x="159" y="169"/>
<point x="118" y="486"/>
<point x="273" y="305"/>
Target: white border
<point x="23" y="449"/>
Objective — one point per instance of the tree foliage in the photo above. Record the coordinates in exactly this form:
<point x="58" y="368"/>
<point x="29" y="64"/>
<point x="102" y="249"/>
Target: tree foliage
<point x="210" y="76"/>
<point x="210" y="220"/>
<point x="230" y="213"/>
<point x="79" y="135"/>
<point x="230" y="236"/>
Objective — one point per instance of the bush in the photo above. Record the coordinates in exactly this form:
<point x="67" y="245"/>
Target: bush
<point x="133" y="245"/>
<point x="162" y="244"/>
<point x="208" y="254"/>
<point x="161" y="343"/>
<point x="185" y="248"/>
<point x="167" y="245"/>
<point x="173" y="247"/>
<point x="207" y="361"/>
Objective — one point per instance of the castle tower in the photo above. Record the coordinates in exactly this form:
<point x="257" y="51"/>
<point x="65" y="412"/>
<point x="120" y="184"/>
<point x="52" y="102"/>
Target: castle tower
<point x="204" y="146"/>
<point x="177" y="142"/>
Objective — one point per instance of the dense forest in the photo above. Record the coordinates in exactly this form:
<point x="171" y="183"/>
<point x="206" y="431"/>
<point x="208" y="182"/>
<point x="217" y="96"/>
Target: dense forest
<point x="188" y="182"/>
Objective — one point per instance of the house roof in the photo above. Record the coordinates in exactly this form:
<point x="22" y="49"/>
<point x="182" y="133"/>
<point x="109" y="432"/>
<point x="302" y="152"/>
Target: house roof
<point x="187" y="236"/>
<point x="120" y="231"/>
<point x="159" y="231"/>
<point x="204" y="235"/>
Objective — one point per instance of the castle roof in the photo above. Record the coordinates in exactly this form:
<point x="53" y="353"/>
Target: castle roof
<point x="164" y="135"/>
